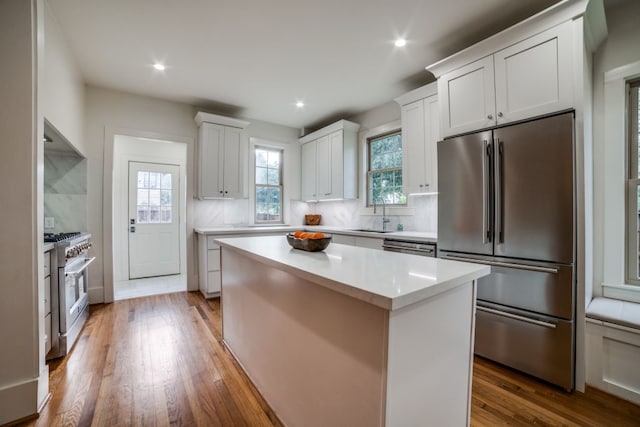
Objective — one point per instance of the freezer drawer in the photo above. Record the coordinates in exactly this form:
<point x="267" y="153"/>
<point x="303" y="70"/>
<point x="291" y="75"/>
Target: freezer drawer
<point x="544" y="292"/>
<point x="541" y="346"/>
<point x="539" y="287"/>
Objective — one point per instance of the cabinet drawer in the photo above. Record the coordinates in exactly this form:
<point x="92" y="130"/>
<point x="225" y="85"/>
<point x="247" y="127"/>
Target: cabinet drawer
<point x="47" y="333"/>
<point x="47" y="263"/>
<point x="47" y="295"/>
<point x="214" y="281"/>
<point x="540" y="346"/>
<point x="213" y="260"/>
<point x="211" y="244"/>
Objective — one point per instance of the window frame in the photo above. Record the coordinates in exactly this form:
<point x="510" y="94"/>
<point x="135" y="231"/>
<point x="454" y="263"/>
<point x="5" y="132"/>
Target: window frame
<point x="369" y="172"/>
<point x="632" y="116"/>
<point x="281" y="151"/>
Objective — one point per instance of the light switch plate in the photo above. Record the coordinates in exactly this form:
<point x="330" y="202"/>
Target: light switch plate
<point x="49" y="222"/>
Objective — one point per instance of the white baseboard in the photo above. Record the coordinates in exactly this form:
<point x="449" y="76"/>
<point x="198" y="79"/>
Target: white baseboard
<point x="18" y="400"/>
<point x="612" y="359"/>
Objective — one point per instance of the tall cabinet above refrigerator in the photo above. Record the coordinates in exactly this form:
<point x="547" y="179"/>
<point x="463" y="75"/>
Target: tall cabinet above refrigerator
<point x="506" y="198"/>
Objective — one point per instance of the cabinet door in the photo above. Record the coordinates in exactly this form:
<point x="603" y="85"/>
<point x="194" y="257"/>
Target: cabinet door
<point x="324" y="167"/>
<point x="337" y="166"/>
<point x="431" y="137"/>
<point x="533" y="77"/>
<point x="233" y="169"/>
<point x="467" y="98"/>
<point x="413" y="146"/>
<point x="308" y="171"/>
<point x="210" y="141"/>
<point x="369" y="242"/>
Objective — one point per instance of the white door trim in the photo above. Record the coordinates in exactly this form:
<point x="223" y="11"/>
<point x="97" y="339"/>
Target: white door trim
<point x="104" y="293"/>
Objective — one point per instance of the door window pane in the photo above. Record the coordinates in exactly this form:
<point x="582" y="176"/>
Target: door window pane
<point x="153" y="198"/>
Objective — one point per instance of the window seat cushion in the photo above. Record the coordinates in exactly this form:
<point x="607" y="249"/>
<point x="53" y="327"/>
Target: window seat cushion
<point x="615" y="311"/>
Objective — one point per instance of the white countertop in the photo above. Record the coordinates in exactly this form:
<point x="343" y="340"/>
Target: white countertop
<point x="387" y="279"/>
<point x="409" y="235"/>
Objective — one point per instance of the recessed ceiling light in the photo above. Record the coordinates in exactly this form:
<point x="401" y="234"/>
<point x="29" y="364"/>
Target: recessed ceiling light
<point x="299" y="104"/>
<point x="158" y="66"/>
<point x="400" y="42"/>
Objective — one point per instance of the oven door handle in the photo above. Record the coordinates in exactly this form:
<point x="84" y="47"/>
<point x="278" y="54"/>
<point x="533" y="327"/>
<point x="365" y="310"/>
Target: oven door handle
<point x="80" y="270"/>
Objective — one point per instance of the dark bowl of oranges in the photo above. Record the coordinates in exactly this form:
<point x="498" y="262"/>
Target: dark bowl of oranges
<point x="309" y="241"/>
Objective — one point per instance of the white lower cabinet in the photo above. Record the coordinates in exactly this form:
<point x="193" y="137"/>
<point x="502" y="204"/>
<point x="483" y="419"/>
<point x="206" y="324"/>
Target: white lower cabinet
<point x="343" y="239"/>
<point x="209" y="274"/>
<point x="369" y="242"/>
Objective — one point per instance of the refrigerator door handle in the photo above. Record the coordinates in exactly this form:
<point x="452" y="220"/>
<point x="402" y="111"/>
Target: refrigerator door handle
<point x="499" y="190"/>
<point x="486" y="182"/>
<point x="516" y="317"/>
<point x="529" y="267"/>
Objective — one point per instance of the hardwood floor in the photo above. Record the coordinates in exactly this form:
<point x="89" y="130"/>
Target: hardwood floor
<point x="159" y="361"/>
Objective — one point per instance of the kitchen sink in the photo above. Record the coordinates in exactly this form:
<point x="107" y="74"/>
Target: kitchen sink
<point x="371" y="230"/>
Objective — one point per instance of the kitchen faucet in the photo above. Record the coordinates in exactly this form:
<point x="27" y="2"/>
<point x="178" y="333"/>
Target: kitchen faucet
<point x="385" y="220"/>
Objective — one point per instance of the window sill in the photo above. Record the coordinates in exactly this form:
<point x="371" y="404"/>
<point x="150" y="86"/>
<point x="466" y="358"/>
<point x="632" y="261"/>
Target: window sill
<point x="629" y="293"/>
<point x="390" y="211"/>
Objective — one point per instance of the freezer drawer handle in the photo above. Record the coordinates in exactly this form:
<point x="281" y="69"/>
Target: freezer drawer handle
<point x="516" y="317"/>
<point x="504" y="264"/>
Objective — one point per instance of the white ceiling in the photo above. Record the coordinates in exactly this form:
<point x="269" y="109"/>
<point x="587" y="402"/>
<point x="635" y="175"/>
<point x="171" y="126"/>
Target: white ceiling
<point x="256" y="58"/>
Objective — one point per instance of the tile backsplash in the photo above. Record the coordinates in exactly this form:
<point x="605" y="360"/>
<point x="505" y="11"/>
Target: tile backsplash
<point x="65" y="191"/>
<point x="344" y="213"/>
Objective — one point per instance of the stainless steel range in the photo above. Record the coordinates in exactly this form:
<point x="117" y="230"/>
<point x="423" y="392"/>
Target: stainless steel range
<point x="69" y="283"/>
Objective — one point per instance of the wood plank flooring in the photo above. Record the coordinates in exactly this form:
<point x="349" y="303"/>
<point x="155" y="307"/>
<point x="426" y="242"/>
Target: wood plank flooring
<point x="159" y="361"/>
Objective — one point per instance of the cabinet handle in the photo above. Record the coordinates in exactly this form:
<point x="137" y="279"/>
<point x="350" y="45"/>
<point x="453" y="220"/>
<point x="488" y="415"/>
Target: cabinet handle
<point x="421" y="185"/>
<point x="426" y="185"/>
<point x="220" y="191"/>
<point x="500" y="114"/>
<point x="490" y="117"/>
<point x="226" y="192"/>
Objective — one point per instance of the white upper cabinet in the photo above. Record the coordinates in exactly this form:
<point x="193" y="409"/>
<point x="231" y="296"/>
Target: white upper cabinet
<point x="222" y="157"/>
<point x="308" y="171"/>
<point x="420" y="134"/>
<point x="468" y="98"/>
<point x="533" y="77"/>
<point x="329" y="162"/>
<point x="527" y="79"/>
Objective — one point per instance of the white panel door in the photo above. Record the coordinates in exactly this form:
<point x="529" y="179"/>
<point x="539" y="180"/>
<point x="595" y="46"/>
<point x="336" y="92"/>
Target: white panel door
<point x="413" y="147"/>
<point x="337" y="166"/>
<point x="533" y="77"/>
<point x="210" y="141"/>
<point x="232" y="171"/>
<point x="324" y="167"/>
<point x="154" y="245"/>
<point x="431" y="138"/>
<point x="468" y="98"/>
<point x="308" y="171"/>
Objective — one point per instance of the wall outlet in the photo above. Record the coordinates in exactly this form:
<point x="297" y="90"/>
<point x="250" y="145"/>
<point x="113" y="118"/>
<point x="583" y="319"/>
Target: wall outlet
<point x="49" y="222"/>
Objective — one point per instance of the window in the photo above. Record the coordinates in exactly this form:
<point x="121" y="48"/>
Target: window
<point x="384" y="175"/>
<point x="633" y="185"/>
<point x="268" y="177"/>
<point x="153" y="198"/>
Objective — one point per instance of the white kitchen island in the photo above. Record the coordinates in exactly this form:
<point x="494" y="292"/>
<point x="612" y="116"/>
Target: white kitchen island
<point x="351" y="336"/>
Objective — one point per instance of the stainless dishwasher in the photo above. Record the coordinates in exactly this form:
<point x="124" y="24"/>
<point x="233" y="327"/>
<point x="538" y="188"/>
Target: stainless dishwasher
<point x="410" y="247"/>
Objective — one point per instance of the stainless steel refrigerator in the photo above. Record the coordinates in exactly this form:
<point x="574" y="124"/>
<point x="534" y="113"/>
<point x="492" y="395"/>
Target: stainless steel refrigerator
<point x="507" y="199"/>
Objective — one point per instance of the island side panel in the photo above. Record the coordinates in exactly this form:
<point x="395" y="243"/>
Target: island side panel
<point x="317" y="356"/>
<point x="431" y="360"/>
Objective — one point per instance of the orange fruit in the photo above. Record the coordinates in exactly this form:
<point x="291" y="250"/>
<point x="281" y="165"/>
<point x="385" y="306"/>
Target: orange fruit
<point x="298" y="234"/>
<point x="317" y="236"/>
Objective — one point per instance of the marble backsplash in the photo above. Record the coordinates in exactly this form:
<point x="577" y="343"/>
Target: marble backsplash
<point x="65" y="191"/>
<point x="344" y="213"/>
